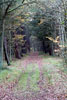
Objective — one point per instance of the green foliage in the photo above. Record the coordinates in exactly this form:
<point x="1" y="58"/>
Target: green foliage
<point x="42" y="27"/>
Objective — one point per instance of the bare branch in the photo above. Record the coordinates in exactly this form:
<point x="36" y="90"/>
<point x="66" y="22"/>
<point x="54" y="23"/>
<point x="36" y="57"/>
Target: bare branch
<point x="22" y="5"/>
<point x="6" y="11"/>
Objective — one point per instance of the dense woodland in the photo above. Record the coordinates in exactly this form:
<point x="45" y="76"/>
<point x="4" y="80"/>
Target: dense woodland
<point x="19" y="20"/>
<point x="33" y="27"/>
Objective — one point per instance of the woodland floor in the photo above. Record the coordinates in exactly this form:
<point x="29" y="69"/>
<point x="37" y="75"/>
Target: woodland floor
<point x="35" y="77"/>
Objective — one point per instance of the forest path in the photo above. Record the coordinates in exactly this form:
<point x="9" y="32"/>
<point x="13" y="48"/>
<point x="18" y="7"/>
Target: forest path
<point x="35" y="77"/>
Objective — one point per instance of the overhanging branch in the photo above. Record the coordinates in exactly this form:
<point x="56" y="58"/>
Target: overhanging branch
<point x="21" y="5"/>
<point x="6" y="11"/>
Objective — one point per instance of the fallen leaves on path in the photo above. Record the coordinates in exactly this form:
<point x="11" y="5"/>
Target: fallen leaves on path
<point x="51" y="83"/>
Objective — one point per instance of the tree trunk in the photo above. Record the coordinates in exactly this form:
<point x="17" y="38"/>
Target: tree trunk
<point x="1" y="43"/>
<point x="17" y="52"/>
<point x="5" y="52"/>
<point x="1" y="53"/>
<point x="1" y="34"/>
<point x="10" y="49"/>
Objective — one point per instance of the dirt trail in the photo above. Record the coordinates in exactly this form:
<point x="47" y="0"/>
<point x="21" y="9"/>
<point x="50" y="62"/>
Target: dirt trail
<point x="44" y="81"/>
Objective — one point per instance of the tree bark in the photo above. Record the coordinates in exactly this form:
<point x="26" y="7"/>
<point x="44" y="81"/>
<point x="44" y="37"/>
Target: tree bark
<point x="1" y="53"/>
<point x="17" y="52"/>
<point x="1" y="42"/>
<point x="5" y="52"/>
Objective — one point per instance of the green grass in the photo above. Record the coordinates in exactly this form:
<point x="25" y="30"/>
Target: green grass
<point x="56" y="62"/>
<point x="49" y="77"/>
<point x="8" y="75"/>
<point x="31" y="72"/>
<point x="51" y="67"/>
<point x="30" y="76"/>
<point x="23" y="81"/>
